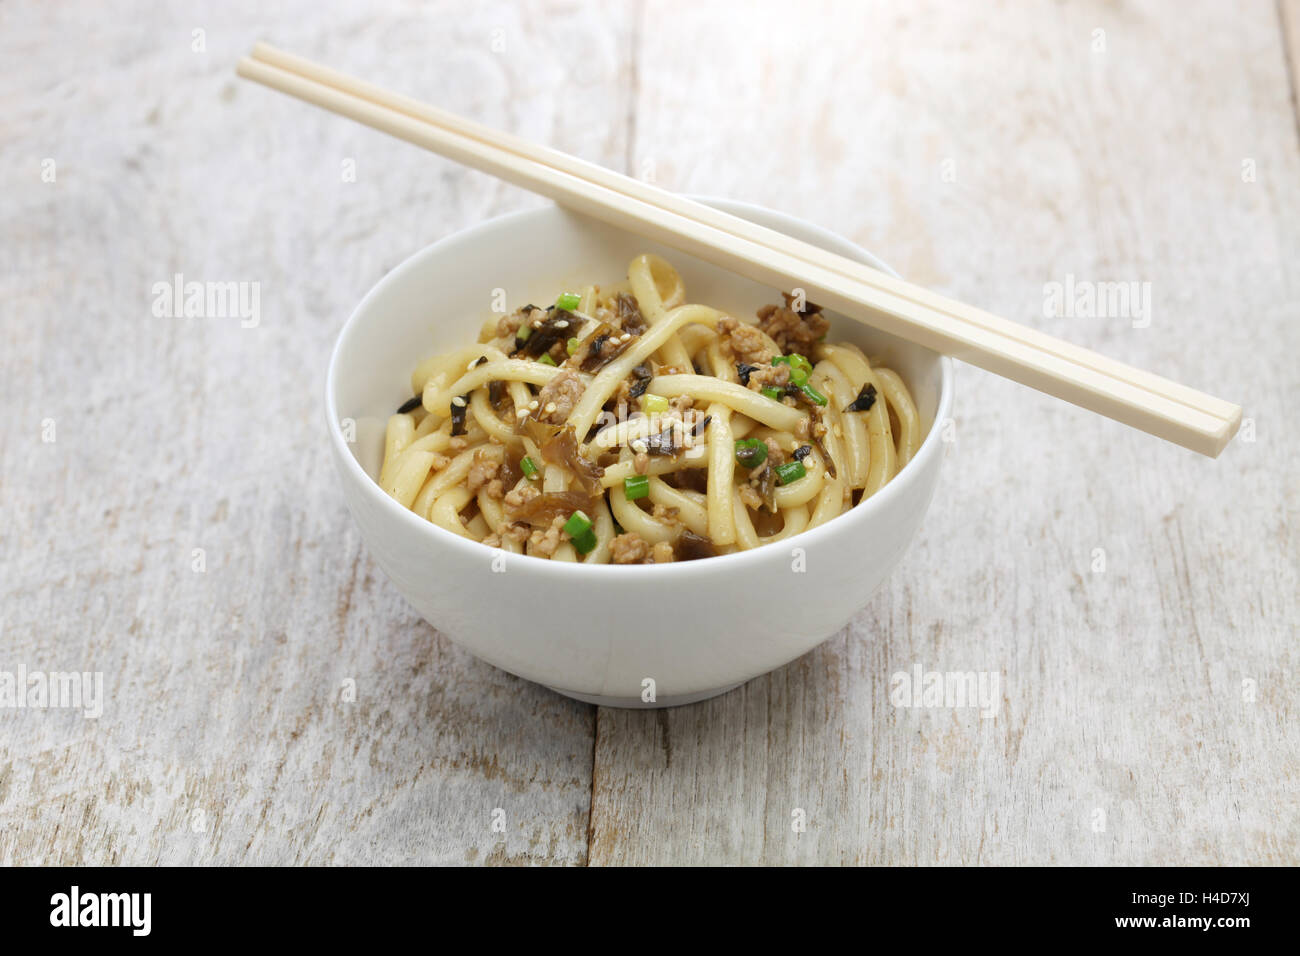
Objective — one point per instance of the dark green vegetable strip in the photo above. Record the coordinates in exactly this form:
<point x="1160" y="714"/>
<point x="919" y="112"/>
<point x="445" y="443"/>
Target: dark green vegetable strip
<point x="585" y="543"/>
<point x="636" y="486"/>
<point x="800" y="367"/>
<point x="790" y="472"/>
<point x="578" y="523"/>
<point x="458" y="412"/>
<point x="813" y="395"/>
<point x="750" y="452"/>
<point x="866" y="398"/>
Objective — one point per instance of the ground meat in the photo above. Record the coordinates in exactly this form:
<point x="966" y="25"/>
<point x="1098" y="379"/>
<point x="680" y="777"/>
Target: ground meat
<point x="546" y="542"/>
<point x="774" y="453"/>
<point x="440" y="461"/>
<point x="508" y="326"/>
<point x="623" y="394"/>
<point x="558" y="396"/>
<point x="750" y="497"/>
<point x="674" y="370"/>
<point x="665" y="514"/>
<point x="663" y="553"/>
<point x="518" y="497"/>
<point x="483" y="471"/>
<point x="459" y="443"/>
<point x="769" y="376"/>
<point x="745" y="343"/>
<point x="793" y="331"/>
<point x="681" y="404"/>
<point x="518" y="533"/>
<point x="628" y="548"/>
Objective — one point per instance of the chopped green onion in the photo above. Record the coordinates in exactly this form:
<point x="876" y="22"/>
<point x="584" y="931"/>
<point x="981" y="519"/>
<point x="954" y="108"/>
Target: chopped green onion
<point x="654" y="403"/>
<point x="547" y="360"/>
<point x="524" y="331"/>
<point x="572" y="345"/>
<point x="568" y="301"/>
<point x="585" y="543"/>
<point x="530" y="470"/>
<point x="813" y="394"/>
<point x="773" y="393"/>
<point x="636" y="486"/>
<point x="750" y="452"/>
<point x="790" y="472"/>
<point x="578" y="523"/>
<point x="800" y="367"/>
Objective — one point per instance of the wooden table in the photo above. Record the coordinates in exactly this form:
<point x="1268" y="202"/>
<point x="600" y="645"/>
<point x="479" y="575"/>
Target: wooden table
<point x="171" y="519"/>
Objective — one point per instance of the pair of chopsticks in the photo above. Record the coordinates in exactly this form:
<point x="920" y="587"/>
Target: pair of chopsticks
<point x="1137" y="398"/>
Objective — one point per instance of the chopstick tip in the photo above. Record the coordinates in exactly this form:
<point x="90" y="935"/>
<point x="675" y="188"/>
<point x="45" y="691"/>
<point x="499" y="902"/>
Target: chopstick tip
<point x="1229" y="430"/>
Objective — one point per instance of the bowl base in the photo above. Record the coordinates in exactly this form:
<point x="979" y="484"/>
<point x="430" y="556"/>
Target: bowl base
<point x="636" y="703"/>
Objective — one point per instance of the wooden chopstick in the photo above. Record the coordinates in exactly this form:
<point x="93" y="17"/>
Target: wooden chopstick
<point x="1145" y="401"/>
<point x="725" y="221"/>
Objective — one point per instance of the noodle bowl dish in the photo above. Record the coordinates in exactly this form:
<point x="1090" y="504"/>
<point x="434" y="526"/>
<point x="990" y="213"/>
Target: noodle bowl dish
<point x="610" y="467"/>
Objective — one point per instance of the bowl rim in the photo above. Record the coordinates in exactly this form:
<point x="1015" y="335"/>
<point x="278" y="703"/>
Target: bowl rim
<point x="882" y="499"/>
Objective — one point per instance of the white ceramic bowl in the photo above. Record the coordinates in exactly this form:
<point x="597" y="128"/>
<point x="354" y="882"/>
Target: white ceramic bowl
<point x="602" y="633"/>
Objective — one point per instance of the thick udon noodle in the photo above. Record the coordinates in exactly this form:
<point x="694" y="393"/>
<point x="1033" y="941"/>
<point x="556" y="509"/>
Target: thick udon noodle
<point x="662" y="427"/>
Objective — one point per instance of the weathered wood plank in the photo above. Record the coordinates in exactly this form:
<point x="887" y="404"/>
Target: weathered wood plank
<point x="224" y="736"/>
<point x="1289" y="14"/>
<point x="1147" y="711"/>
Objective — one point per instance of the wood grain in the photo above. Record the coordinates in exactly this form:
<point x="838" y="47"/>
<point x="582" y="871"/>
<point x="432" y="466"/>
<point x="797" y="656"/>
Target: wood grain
<point x="1147" y="711"/>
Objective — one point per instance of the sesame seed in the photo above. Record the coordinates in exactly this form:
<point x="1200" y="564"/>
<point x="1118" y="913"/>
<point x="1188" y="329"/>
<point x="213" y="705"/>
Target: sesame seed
<point x="550" y="408"/>
<point x="562" y="324"/>
<point x="458" y="401"/>
<point x="533" y="405"/>
<point x="521" y="413"/>
<point x="639" y="446"/>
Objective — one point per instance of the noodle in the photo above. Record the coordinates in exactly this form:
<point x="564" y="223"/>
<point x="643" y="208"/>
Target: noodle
<point x="640" y="428"/>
